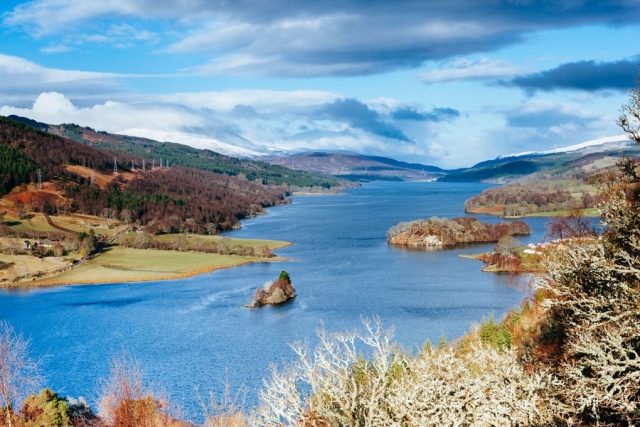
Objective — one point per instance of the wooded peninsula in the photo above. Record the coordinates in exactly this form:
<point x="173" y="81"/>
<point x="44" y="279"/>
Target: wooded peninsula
<point x="440" y="232"/>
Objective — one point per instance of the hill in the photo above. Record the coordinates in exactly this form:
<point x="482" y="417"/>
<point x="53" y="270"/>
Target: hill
<point x="79" y="178"/>
<point x="358" y="167"/>
<point x="163" y="153"/>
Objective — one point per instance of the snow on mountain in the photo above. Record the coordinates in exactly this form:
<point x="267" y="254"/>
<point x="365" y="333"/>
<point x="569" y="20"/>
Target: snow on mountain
<point x="196" y="141"/>
<point x="613" y="141"/>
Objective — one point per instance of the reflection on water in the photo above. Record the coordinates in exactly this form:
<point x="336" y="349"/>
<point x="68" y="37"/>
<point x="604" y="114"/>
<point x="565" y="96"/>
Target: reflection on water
<point x="188" y="332"/>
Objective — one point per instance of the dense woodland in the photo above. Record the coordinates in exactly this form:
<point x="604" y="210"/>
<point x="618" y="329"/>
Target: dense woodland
<point x="15" y="166"/>
<point x="445" y="232"/>
<point x="164" y="200"/>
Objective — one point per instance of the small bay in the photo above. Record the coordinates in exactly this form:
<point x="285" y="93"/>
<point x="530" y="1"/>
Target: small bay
<point x="194" y="332"/>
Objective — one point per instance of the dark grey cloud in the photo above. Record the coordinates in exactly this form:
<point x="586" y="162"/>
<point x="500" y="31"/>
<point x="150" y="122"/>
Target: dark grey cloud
<point x="368" y="37"/>
<point x="330" y="37"/>
<point x="582" y="75"/>
<point x="358" y="115"/>
<point x="435" y="115"/>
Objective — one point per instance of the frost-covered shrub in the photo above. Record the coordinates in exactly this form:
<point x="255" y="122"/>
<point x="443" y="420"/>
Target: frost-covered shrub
<point x="333" y="386"/>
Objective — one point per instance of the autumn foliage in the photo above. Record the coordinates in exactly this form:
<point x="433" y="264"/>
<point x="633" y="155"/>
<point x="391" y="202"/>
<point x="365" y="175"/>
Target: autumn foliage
<point x="165" y="200"/>
<point x="444" y="232"/>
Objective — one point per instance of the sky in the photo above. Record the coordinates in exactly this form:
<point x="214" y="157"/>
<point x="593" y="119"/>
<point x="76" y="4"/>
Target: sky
<point x="446" y="83"/>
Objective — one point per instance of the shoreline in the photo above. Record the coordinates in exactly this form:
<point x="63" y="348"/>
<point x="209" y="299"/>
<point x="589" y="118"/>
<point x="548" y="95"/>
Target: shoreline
<point x="187" y="274"/>
<point x="495" y="268"/>
<point x="126" y="265"/>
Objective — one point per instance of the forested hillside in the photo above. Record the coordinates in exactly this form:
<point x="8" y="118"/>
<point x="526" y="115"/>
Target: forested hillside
<point x="163" y="199"/>
<point x="183" y="155"/>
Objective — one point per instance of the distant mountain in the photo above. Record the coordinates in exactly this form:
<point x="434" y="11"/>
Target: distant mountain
<point x="596" y="153"/>
<point x="358" y="167"/>
<point x="156" y="152"/>
<point x="594" y="145"/>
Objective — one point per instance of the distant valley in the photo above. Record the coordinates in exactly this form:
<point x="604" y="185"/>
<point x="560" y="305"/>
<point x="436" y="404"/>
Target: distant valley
<point x="359" y="167"/>
<point x="323" y="169"/>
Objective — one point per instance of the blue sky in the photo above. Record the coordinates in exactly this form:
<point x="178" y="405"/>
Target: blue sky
<point x="448" y="83"/>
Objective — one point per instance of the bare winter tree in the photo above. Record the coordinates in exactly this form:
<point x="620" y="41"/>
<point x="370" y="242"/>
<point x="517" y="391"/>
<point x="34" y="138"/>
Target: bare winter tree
<point x="507" y="245"/>
<point x="19" y="373"/>
<point x="629" y="119"/>
<point x="573" y="225"/>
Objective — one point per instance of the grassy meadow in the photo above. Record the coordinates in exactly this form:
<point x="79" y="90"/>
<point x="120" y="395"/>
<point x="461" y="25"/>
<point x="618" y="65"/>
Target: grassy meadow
<point x="120" y="264"/>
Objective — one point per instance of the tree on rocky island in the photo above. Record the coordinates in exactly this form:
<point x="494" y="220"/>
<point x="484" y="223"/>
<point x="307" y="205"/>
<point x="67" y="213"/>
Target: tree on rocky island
<point x="277" y="292"/>
<point x="284" y="276"/>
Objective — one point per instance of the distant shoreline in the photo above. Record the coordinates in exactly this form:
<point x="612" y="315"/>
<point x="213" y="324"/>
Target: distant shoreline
<point x="498" y="210"/>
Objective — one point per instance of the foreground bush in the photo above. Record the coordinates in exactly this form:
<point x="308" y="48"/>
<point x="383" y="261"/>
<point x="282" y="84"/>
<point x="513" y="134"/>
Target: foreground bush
<point x="126" y="402"/>
<point x="333" y="386"/>
<point x="45" y="409"/>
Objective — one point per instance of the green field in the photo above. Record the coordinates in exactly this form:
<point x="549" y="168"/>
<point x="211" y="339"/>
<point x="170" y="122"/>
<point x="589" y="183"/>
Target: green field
<point x="119" y="264"/>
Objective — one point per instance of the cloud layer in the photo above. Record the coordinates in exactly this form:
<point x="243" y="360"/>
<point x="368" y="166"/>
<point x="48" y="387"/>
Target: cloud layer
<point x="298" y="121"/>
<point x="327" y="37"/>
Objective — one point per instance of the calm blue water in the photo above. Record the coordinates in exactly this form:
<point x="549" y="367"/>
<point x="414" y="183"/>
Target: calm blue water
<point x="191" y="332"/>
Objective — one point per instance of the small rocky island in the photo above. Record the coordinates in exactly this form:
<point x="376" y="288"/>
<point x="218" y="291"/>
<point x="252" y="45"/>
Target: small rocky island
<point x="273" y="293"/>
<point x="440" y="232"/>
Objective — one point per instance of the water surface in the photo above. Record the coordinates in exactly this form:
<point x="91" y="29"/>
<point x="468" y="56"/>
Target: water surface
<point x="190" y="332"/>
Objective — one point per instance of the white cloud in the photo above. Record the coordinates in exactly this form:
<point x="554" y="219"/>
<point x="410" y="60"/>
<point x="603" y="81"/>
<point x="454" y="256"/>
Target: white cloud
<point x="43" y="17"/>
<point x="264" y="101"/>
<point x="60" y="48"/>
<point x="15" y="71"/>
<point x="466" y="69"/>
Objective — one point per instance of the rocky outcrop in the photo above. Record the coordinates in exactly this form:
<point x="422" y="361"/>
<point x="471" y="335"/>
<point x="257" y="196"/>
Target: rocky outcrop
<point x="436" y="232"/>
<point x="276" y="292"/>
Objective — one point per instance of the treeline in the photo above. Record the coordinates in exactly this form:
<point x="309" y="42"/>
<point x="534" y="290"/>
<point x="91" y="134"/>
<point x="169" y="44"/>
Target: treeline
<point x="181" y="243"/>
<point x="445" y="232"/>
<point x="521" y="199"/>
